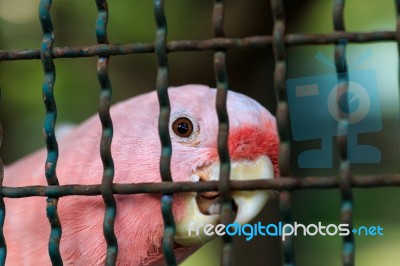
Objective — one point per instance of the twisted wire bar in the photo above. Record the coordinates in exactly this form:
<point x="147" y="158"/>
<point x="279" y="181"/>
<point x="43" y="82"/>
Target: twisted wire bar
<point x="282" y="120"/>
<point x="49" y="124"/>
<point x="398" y="25"/>
<point x="106" y="137"/>
<point x="282" y="184"/>
<point x="163" y="129"/>
<point x="346" y="215"/>
<point x="252" y="42"/>
<point x="3" y="246"/>
<point x="398" y="34"/>
<point x="221" y="77"/>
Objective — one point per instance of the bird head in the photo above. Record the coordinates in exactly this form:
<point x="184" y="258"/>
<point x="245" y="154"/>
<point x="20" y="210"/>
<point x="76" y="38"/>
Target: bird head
<point x="136" y="149"/>
<point x="193" y="127"/>
<point x="253" y="149"/>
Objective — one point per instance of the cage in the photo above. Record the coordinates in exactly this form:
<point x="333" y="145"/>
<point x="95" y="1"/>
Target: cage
<point x="270" y="37"/>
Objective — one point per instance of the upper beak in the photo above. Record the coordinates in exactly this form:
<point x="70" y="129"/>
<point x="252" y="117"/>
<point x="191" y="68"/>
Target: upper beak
<point x="203" y="208"/>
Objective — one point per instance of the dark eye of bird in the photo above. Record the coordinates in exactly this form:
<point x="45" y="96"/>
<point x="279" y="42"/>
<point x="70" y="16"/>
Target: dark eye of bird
<point x="182" y="127"/>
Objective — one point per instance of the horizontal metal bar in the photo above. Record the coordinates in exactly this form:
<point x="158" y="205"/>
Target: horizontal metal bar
<point x="199" y="45"/>
<point x="279" y="184"/>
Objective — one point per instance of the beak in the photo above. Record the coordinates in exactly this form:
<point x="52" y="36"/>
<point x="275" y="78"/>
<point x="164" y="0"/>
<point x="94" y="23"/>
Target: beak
<point x="204" y="208"/>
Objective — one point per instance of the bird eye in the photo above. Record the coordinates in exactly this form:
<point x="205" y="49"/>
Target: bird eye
<point x="182" y="127"/>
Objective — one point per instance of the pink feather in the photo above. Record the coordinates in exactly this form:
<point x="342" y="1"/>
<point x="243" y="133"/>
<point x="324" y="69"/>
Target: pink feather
<point x="136" y="152"/>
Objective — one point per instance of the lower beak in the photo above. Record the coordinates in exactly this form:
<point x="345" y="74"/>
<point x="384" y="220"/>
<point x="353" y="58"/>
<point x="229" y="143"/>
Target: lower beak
<point x="204" y="208"/>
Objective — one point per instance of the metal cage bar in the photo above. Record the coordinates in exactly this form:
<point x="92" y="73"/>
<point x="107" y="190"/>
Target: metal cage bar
<point x="251" y="42"/>
<point x="281" y="184"/>
<point x="279" y="49"/>
<point x="348" y="247"/>
<point x="345" y="181"/>
<point x="163" y="130"/>
<point x="3" y="246"/>
<point x="221" y="78"/>
<point x="106" y="137"/>
<point x="49" y="125"/>
<point x="397" y="5"/>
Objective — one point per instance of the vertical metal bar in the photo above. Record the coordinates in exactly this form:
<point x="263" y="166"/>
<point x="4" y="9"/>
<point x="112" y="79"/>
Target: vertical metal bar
<point x="106" y="137"/>
<point x="163" y="129"/>
<point x="398" y="22"/>
<point x="3" y="246"/>
<point x="221" y="77"/>
<point x="398" y="34"/>
<point x="279" y="49"/>
<point x="49" y="124"/>
<point x="348" y="248"/>
<point x="285" y="200"/>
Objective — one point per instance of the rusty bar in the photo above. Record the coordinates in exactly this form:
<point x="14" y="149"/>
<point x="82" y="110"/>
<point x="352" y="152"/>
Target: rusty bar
<point x="281" y="184"/>
<point x="49" y="129"/>
<point x="252" y="42"/>
<point x="3" y="245"/>
<point x="346" y="216"/>
<point x="221" y="78"/>
<point x="162" y="81"/>
<point x="106" y="138"/>
<point x="282" y="120"/>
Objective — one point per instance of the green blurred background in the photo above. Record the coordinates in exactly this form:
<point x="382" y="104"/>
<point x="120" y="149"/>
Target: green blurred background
<point x="250" y="72"/>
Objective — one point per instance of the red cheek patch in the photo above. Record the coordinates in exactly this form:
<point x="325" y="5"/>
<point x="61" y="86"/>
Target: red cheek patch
<point x="248" y="142"/>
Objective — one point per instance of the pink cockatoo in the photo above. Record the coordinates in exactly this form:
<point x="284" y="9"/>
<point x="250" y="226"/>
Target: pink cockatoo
<point x="253" y="147"/>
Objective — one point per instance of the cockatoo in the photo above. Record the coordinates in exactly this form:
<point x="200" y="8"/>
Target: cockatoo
<point x="136" y="149"/>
